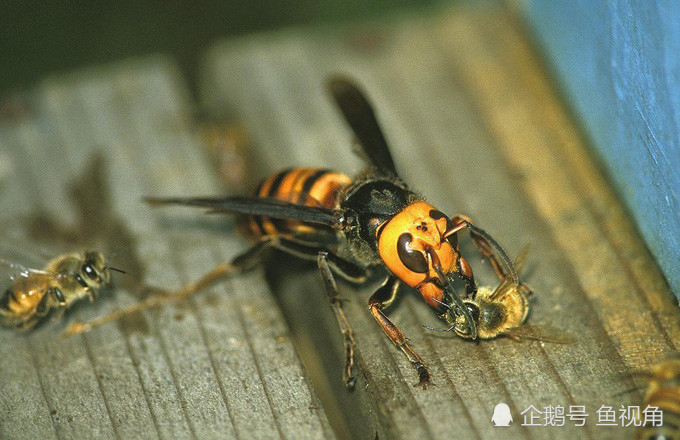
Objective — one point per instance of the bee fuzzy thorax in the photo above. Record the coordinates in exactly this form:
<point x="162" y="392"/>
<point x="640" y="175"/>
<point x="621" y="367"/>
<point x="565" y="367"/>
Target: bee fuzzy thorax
<point x="496" y="311"/>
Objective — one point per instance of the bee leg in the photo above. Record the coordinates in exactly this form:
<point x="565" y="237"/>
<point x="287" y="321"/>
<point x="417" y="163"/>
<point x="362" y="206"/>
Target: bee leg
<point x="41" y="310"/>
<point x="59" y="313"/>
<point x="382" y="298"/>
<point x="345" y="328"/>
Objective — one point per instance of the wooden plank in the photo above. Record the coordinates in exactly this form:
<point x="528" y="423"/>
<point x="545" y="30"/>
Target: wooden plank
<point x="474" y="124"/>
<point x="63" y="367"/>
<point x="99" y="141"/>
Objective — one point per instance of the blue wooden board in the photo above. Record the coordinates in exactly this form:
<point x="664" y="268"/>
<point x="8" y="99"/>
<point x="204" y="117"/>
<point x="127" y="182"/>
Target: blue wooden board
<point x="619" y="64"/>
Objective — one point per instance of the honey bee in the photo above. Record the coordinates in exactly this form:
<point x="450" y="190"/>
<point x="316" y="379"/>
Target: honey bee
<point x="502" y="311"/>
<point x="65" y="280"/>
<point x="663" y="392"/>
<point x="496" y="312"/>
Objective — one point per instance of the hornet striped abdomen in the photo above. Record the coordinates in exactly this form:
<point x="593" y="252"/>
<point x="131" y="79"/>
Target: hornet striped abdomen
<point x="317" y="187"/>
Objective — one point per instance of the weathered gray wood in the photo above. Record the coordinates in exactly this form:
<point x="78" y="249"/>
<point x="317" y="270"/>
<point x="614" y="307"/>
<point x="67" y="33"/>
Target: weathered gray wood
<point x="474" y="125"/>
<point x="200" y="369"/>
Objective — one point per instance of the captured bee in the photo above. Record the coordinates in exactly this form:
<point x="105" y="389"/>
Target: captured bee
<point x="64" y="280"/>
<point x="497" y="312"/>
<point x="352" y="225"/>
<point x="663" y="393"/>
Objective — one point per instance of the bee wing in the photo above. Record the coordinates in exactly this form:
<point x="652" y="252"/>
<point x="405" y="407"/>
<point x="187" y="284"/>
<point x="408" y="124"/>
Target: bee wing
<point x="508" y="282"/>
<point x="521" y="258"/>
<point x="262" y="206"/>
<point x="543" y="333"/>
<point x="502" y="288"/>
<point x="360" y="115"/>
<point x="14" y="270"/>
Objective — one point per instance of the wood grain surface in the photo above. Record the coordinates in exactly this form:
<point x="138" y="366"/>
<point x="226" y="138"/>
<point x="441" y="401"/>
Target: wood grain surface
<point x="474" y="124"/>
<point x="221" y="365"/>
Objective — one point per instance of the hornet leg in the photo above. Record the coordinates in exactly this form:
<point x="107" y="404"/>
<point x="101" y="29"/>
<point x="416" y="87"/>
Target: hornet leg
<point x="345" y="328"/>
<point x="382" y="298"/>
<point x="486" y="245"/>
<point x="242" y="263"/>
<point x="328" y="263"/>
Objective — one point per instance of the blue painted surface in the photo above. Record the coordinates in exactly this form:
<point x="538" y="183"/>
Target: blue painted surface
<point x="619" y="62"/>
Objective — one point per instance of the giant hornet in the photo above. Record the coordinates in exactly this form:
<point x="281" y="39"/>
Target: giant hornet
<point x="350" y="226"/>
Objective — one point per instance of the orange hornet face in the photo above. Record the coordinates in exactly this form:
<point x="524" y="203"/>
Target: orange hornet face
<point x="412" y="243"/>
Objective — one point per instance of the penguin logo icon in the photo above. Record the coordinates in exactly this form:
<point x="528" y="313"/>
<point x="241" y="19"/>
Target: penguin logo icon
<point x="501" y="415"/>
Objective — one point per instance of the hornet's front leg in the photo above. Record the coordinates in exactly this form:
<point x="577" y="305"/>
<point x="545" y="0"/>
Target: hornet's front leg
<point x="382" y="298"/>
<point x="486" y="245"/>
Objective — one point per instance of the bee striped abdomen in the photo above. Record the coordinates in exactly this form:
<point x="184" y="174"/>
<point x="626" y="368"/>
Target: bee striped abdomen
<point x="303" y="186"/>
<point x="24" y="298"/>
<point x="22" y="302"/>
